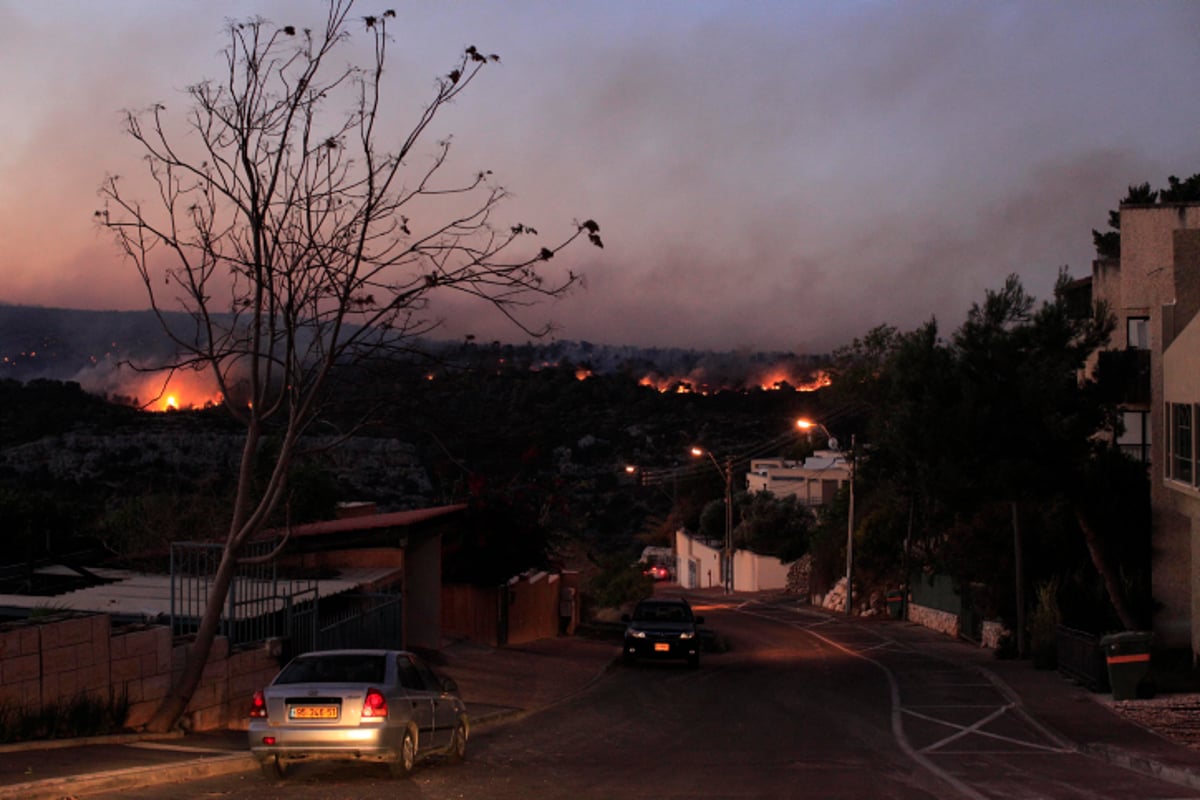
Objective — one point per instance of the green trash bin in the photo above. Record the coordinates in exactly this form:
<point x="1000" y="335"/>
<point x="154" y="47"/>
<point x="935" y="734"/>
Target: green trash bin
<point x="895" y="605"/>
<point x="1128" y="657"/>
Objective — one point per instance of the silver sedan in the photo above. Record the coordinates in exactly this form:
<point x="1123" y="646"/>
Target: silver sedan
<point x="379" y="705"/>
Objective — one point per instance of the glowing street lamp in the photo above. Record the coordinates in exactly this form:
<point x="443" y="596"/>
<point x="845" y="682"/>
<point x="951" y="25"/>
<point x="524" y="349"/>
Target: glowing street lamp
<point x="806" y="425"/>
<point x="727" y="474"/>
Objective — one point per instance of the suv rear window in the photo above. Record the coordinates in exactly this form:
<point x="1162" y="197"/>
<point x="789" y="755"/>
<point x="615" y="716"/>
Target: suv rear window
<point x="662" y="612"/>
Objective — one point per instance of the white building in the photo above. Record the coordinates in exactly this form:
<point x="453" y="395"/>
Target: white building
<point x="698" y="566"/>
<point x="815" y="480"/>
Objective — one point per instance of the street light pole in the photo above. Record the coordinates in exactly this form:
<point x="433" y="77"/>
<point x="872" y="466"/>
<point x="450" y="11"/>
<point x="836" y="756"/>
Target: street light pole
<point x="805" y="424"/>
<point x="727" y="474"/>
<point x="728" y="526"/>
<point x="850" y="536"/>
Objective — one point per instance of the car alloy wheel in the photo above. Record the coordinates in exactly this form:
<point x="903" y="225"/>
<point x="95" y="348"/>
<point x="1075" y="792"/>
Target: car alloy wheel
<point x="402" y="765"/>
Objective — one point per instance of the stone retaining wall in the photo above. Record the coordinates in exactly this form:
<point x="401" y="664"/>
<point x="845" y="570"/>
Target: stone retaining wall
<point x="934" y="619"/>
<point x="57" y="658"/>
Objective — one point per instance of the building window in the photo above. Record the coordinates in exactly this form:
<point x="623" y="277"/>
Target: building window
<point x="1137" y="333"/>
<point x="1181" y="459"/>
<point x="1134" y="441"/>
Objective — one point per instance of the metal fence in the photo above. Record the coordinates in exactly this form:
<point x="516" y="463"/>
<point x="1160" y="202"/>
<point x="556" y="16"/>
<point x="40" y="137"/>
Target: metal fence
<point x="1081" y="658"/>
<point x="365" y="620"/>
<point x="259" y="606"/>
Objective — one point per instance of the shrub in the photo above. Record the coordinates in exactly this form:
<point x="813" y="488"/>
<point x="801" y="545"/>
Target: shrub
<point x="1043" y="626"/>
<point x="619" y="583"/>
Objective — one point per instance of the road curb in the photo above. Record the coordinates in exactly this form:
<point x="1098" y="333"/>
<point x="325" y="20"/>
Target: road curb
<point x="1146" y="766"/>
<point x="115" y="780"/>
<point x="112" y="738"/>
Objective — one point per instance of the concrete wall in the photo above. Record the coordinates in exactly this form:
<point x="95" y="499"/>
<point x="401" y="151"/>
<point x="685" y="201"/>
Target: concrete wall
<point x="423" y="592"/>
<point x="753" y="573"/>
<point x="57" y="658"/>
<point x="698" y="566"/>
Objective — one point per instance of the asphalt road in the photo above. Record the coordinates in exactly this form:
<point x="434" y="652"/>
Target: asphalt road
<point x="801" y="706"/>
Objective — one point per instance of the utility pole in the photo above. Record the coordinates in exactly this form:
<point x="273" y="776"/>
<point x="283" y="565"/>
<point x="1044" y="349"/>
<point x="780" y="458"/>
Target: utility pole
<point x="850" y="536"/>
<point x="728" y="526"/>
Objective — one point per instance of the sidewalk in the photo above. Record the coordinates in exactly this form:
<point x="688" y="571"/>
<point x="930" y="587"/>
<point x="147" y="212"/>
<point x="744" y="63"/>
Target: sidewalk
<point x="500" y="683"/>
<point x="495" y="683"/>
<point x="1092" y="723"/>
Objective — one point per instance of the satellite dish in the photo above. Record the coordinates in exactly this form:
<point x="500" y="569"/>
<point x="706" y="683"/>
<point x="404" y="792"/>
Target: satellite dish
<point x="832" y="443"/>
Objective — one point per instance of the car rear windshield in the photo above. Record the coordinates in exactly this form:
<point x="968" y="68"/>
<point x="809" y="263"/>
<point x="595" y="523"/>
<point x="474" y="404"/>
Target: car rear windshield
<point x="346" y="668"/>
<point x="662" y="612"/>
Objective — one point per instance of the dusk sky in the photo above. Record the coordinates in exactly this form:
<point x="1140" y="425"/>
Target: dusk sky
<point x="767" y="175"/>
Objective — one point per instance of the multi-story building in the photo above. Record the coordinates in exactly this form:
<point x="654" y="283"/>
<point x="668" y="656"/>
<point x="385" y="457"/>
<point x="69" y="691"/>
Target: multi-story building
<point x="1153" y="289"/>
<point x="815" y="480"/>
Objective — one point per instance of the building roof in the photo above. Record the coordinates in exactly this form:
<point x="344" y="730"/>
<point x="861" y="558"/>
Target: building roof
<point x="395" y="519"/>
<point x="146" y="595"/>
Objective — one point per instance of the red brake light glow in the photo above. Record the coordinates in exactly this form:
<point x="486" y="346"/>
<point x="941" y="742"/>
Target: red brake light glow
<point x="258" y="706"/>
<point x="375" y="704"/>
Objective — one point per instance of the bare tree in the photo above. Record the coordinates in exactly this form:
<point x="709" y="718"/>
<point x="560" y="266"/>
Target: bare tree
<point x="297" y="245"/>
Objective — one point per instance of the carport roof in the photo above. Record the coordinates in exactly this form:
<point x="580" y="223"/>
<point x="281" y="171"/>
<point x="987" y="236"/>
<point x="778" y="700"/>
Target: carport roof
<point x="395" y="519"/>
<point x="146" y="595"/>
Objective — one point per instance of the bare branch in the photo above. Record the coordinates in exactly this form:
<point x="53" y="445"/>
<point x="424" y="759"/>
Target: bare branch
<point x="301" y="238"/>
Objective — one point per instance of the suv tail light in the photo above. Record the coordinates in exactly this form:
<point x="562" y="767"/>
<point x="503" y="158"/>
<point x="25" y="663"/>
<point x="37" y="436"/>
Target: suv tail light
<point x="375" y="705"/>
<point x="258" y="706"/>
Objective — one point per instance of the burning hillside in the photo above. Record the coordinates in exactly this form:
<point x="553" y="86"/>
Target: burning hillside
<point x="157" y="390"/>
<point x="773" y="379"/>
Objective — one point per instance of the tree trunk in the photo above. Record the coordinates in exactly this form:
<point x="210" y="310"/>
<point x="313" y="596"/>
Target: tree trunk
<point x="180" y="694"/>
<point x="1019" y="563"/>
<point x="1112" y="583"/>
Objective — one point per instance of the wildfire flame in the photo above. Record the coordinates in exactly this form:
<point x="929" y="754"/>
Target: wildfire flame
<point x="777" y="378"/>
<point x="184" y="391"/>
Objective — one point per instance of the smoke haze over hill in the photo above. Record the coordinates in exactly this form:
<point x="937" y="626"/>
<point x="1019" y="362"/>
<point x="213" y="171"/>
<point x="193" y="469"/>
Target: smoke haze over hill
<point x="767" y="175"/>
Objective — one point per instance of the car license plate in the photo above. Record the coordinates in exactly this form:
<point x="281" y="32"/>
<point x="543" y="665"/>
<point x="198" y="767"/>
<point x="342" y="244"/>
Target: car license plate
<point x="313" y="712"/>
<point x="662" y="647"/>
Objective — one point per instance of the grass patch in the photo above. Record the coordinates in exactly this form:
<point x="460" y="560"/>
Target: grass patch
<point x="84" y="715"/>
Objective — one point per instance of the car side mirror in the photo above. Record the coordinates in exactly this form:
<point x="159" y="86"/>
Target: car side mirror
<point x="626" y="618"/>
<point x="449" y="685"/>
<point x="699" y="620"/>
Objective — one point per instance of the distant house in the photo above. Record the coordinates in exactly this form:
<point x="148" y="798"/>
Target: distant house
<point x="814" y="481"/>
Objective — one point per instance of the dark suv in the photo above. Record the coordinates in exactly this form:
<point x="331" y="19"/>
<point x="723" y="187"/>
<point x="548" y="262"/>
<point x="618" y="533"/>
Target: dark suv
<point x="662" y="628"/>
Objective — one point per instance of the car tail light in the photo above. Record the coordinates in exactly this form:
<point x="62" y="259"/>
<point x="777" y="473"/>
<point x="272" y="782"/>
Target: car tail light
<point x="258" y="706"/>
<point x="375" y="704"/>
